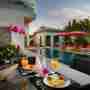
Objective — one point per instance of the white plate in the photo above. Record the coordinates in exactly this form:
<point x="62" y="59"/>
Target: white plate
<point x="67" y="83"/>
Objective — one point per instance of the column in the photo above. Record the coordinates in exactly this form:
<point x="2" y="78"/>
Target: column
<point x="52" y="45"/>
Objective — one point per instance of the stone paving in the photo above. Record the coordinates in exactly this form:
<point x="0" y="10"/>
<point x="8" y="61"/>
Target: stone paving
<point x="14" y="80"/>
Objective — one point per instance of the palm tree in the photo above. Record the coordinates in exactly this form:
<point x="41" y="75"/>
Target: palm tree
<point x="68" y="27"/>
<point x="82" y="25"/>
<point x="85" y="25"/>
<point x="67" y="40"/>
<point x="74" y="25"/>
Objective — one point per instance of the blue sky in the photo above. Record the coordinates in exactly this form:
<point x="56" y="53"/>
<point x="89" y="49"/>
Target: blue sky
<point x="56" y="13"/>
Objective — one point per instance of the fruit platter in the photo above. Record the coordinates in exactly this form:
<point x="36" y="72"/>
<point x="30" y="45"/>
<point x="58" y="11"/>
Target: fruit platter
<point x="56" y="80"/>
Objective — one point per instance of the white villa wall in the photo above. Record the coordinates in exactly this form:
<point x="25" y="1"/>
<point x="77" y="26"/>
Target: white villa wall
<point x="17" y="39"/>
<point x="15" y="16"/>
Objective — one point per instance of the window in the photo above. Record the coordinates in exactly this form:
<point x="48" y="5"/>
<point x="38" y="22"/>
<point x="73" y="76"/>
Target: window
<point x="48" y="53"/>
<point x="56" y="53"/>
<point x="48" y="40"/>
<point x="56" y="40"/>
<point x="40" y="41"/>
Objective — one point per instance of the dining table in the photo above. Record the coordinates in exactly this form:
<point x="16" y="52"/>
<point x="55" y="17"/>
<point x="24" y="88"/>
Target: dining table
<point x="38" y="82"/>
<point x="67" y="85"/>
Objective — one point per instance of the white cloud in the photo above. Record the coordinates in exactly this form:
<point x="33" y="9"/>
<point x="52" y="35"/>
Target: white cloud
<point x="54" y="12"/>
<point x="69" y="13"/>
<point x="59" y="17"/>
<point x="74" y="13"/>
<point x="34" y="26"/>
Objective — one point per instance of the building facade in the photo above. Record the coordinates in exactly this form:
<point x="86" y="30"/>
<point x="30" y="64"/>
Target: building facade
<point x="48" y="43"/>
<point x="13" y="12"/>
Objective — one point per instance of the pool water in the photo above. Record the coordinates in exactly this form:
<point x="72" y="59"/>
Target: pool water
<point x="64" y="57"/>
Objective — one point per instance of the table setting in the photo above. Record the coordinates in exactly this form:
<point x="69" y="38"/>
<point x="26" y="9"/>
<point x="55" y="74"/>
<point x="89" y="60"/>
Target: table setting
<point x="56" y="80"/>
<point x="44" y="78"/>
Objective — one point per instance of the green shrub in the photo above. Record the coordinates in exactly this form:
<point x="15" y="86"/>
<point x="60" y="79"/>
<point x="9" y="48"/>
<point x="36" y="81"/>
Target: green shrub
<point x="8" y="52"/>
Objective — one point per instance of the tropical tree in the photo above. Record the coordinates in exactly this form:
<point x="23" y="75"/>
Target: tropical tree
<point x="74" y="25"/>
<point x="68" y="27"/>
<point x="81" y="41"/>
<point x="85" y="25"/>
<point x="81" y="25"/>
<point x="67" y="40"/>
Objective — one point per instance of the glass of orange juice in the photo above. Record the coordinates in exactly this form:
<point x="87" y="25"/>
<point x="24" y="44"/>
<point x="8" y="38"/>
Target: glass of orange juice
<point x="55" y="64"/>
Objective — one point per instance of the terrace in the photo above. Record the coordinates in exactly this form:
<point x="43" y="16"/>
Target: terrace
<point x="52" y="60"/>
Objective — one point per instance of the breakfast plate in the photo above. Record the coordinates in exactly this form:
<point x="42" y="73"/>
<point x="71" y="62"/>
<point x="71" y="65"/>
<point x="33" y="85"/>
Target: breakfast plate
<point x="64" y="83"/>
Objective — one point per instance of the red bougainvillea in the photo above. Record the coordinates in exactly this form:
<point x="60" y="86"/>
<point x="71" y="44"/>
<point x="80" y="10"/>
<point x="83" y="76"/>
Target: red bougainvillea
<point x="17" y="29"/>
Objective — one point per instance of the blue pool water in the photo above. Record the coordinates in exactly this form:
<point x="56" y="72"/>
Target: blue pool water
<point x="66" y="58"/>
